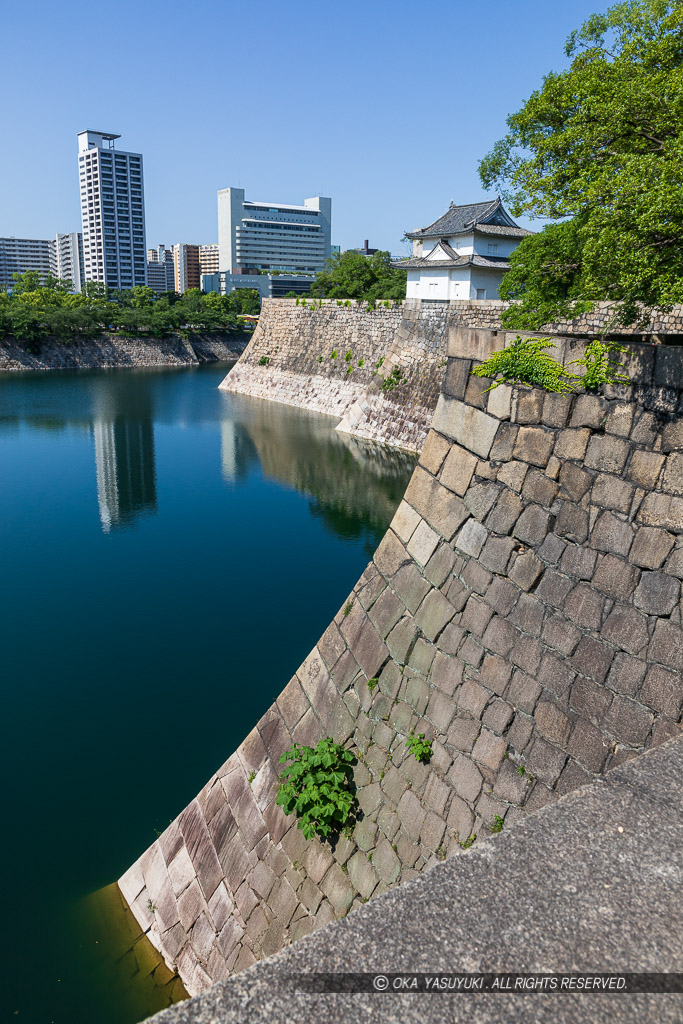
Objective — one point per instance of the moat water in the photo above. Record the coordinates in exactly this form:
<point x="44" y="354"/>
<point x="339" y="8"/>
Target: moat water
<point x="170" y="553"/>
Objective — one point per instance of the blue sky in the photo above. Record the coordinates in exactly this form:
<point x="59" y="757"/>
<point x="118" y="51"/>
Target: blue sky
<point x="384" y="105"/>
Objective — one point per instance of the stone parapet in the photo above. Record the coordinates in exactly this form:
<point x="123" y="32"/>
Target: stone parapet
<point x="523" y="611"/>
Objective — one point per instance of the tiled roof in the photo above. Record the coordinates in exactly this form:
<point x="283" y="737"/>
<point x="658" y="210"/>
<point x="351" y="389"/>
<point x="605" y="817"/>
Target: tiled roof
<point x="472" y="260"/>
<point x="459" y="219"/>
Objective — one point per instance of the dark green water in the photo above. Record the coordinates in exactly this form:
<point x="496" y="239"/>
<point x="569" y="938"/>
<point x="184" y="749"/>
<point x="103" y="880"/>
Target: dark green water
<point x="169" y="554"/>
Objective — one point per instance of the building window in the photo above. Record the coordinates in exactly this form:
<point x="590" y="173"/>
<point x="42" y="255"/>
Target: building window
<point x="481" y="293"/>
<point x="493" y="248"/>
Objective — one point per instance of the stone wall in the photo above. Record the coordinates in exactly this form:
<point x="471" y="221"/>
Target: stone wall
<point x="109" y="350"/>
<point x="523" y="611"/>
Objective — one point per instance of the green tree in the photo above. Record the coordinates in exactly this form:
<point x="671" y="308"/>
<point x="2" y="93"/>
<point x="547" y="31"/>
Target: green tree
<point x="351" y="275"/>
<point x="600" y="144"/>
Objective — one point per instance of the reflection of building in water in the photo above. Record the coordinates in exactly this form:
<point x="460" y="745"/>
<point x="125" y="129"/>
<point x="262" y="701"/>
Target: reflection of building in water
<point x="126" y="475"/>
<point x="237" y="451"/>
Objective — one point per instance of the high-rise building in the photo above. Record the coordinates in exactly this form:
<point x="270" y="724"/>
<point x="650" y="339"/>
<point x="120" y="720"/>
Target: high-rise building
<point x="208" y="259"/>
<point x="161" y="269"/>
<point x="68" y="259"/>
<point x="272" y="236"/>
<point x="18" y="255"/>
<point x="112" y="211"/>
<point x="186" y="259"/>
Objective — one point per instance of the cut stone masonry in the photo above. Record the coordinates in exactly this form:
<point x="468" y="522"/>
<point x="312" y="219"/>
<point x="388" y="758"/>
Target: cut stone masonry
<point x="523" y="611"/>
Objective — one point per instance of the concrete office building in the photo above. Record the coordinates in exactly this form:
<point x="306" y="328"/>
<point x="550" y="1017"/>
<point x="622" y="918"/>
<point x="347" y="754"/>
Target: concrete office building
<point x="269" y="236"/>
<point x="18" y="255"/>
<point x="112" y="211"/>
<point x="269" y="286"/>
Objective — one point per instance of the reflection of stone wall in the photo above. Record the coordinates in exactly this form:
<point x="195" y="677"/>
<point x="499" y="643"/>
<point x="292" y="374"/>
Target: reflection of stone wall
<point x="523" y="610"/>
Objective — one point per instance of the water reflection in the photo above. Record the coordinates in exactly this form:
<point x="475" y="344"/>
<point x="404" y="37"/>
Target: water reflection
<point x="353" y="486"/>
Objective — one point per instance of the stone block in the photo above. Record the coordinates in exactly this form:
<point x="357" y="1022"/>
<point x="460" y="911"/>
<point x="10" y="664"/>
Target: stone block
<point x="572" y="777"/>
<point x="612" y="492"/>
<point x="588" y="746"/>
<point x="615" y="577"/>
<point x="480" y="498"/>
<point x="561" y="635"/>
<point x="534" y="445"/>
<point x="645" y="430"/>
<point x="672" y="480"/>
<point x="607" y="453"/>
<point x="499" y="402"/>
<point x="552" y="723"/>
<point x="672" y="436"/>
<point x="650" y="547"/>
<point x="472" y="698"/>
<point x="556" y="675"/>
<point x="476" y="577"/>
<point x="644" y="468"/>
<point x="502" y="596"/>
<point x="510" y="786"/>
<point x="412" y="814"/>
<point x="626" y="628"/>
<point x="471" y="653"/>
<point x="440" y="711"/>
<point x="460" y="819"/>
<point x="620" y="419"/>
<point x="572" y="522"/>
<point x="362" y="874"/>
<point x="612" y="534"/>
<point x="578" y="561"/>
<point x="628" y="722"/>
<point x="512" y="474"/>
<point x="495" y="673"/>
<point x="283" y="901"/>
<point x="496" y="553"/>
<point x="589" y="411"/>
<point x="532" y="525"/>
<point x="499" y="636"/>
<point x="626" y="674"/>
<point x="662" y="510"/>
<point x="463" y="732"/>
<point x="386" y="863"/>
<point x="423" y="543"/>
<point x="470" y="427"/>
<point x="528" y="614"/>
<point x="523" y="692"/>
<point x="338" y="890"/>
<point x="526" y="654"/>
<point x="666" y="646"/>
<point x="556" y="409"/>
<point x="520" y="732"/>
<point x="458" y="470"/>
<point x="525" y="570"/>
<point x="498" y="716"/>
<point x="411" y="586"/>
<point x="589" y="700"/>
<point x="553" y="588"/>
<point x="572" y="444"/>
<point x="663" y="691"/>
<point x="446" y="672"/>
<point x="539" y="488"/>
<point x="422" y="657"/>
<point x="574" y="481"/>
<point x="674" y="565"/>
<point x="584" y="607"/>
<point x="657" y="593"/>
<point x="471" y="538"/>
<point x="545" y="761"/>
<point x="529" y="407"/>
<point x="405" y="520"/>
<point x="465" y="778"/>
<point x="390" y="554"/>
<point x="386" y="612"/>
<point x="432" y="831"/>
<point x="439" y="567"/>
<point x="506" y="512"/>
<point x="441" y="508"/>
<point x="434" y="452"/>
<point x="476" y="616"/>
<point x="592" y="659"/>
<point x="503" y="446"/>
<point x="457" y="377"/>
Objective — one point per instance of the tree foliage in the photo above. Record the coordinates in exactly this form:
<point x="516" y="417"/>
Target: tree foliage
<point x="33" y="310"/>
<point x="601" y="144"/>
<point x="351" y="275"/>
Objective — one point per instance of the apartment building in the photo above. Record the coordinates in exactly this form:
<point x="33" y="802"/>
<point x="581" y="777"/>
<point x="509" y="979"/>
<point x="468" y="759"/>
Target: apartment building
<point x="208" y="259"/>
<point x="112" y="211"/>
<point x="68" y="259"/>
<point x="257" y="236"/>
<point x="20" y="254"/>
<point x="186" y="261"/>
<point x="161" y="269"/>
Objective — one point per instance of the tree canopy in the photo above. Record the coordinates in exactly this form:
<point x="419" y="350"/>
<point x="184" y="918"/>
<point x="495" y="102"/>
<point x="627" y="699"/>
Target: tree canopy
<point x="33" y="310"/>
<point x="351" y="275"/>
<point x="600" y="144"/>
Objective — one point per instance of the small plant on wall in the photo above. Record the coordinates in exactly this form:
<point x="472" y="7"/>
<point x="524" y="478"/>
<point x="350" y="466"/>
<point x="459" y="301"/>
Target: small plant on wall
<point x="525" y="361"/>
<point x="264" y="360"/>
<point x="419" y="747"/>
<point x="317" y="786"/>
<point x="602" y="366"/>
